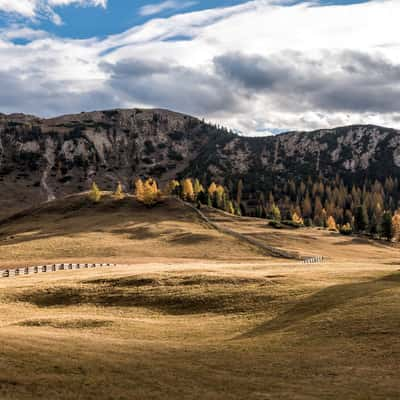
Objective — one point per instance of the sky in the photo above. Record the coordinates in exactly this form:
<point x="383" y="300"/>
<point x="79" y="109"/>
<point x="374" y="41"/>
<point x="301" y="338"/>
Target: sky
<point x="258" y="67"/>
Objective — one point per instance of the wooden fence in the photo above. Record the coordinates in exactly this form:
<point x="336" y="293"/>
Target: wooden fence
<point x="14" y="272"/>
<point x="313" y="260"/>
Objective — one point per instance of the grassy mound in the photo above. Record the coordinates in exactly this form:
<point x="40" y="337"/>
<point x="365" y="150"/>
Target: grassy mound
<point x="75" y="229"/>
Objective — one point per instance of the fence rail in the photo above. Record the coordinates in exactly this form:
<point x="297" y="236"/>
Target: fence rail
<point x="313" y="260"/>
<point x="14" y="272"/>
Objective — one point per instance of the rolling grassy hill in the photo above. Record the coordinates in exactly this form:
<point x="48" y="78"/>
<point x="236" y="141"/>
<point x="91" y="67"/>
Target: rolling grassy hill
<point x="74" y="229"/>
<point x="191" y="313"/>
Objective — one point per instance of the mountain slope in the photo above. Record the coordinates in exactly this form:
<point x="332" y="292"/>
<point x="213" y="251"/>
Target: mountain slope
<point x="42" y="159"/>
<point x="74" y="229"/>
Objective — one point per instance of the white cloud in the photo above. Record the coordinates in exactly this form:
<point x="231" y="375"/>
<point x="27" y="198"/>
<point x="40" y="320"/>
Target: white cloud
<point x="25" y="8"/>
<point x="20" y="32"/>
<point x="156" y="8"/>
<point x="255" y="67"/>
<point x="33" y="9"/>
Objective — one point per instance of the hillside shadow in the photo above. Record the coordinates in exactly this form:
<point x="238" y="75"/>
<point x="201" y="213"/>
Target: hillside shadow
<point x="175" y="295"/>
<point x="323" y="301"/>
<point x="188" y="238"/>
<point x="364" y="241"/>
<point x="80" y="216"/>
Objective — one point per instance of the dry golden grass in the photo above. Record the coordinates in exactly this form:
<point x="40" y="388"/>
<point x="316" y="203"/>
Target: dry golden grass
<point x="310" y="241"/>
<point x="173" y="328"/>
<point x="77" y="230"/>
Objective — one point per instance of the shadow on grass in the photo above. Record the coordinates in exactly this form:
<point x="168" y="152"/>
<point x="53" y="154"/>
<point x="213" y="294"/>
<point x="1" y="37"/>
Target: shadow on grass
<point x="66" y="324"/>
<point x="78" y="215"/>
<point x="364" y="241"/>
<point x="172" y="295"/>
<point x="323" y="301"/>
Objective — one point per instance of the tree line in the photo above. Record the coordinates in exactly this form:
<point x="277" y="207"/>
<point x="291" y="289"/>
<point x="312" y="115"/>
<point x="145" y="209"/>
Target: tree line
<point x="371" y="209"/>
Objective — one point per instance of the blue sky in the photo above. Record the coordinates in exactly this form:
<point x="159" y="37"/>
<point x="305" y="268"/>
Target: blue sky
<point x="117" y="17"/>
<point x="259" y="66"/>
<point x="120" y="15"/>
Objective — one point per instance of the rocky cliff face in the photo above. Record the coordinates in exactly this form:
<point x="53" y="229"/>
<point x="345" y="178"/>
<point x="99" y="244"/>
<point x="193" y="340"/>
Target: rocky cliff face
<point x="41" y="159"/>
<point x="355" y="153"/>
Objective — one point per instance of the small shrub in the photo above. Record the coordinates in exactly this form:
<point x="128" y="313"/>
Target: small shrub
<point x="275" y="224"/>
<point x="293" y="224"/>
<point x="346" y="229"/>
<point x="95" y="193"/>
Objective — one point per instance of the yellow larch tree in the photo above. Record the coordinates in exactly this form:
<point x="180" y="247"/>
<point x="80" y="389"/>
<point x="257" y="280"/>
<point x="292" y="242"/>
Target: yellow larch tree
<point x="220" y="196"/>
<point x="197" y="187"/>
<point x="331" y="224"/>
<point x="396" y="225"/>
<point x="119" y="192"/>
<point x="230" y="208"/>
<point x="151" y="194"/>
<point x="297" y="219"/>
<point x="139" y="189"/>
<point x="95" y="193"/>
<point x="212" y="189"/>
<point x="188" y="191"/>
<point x="170" y="187"/>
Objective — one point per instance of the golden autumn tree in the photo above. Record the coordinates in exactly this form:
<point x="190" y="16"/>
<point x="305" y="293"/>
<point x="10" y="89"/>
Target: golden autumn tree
<point x="296" y="218"/>
<point x="212" y="189"/>
<point x="396" y="225"/>
<point x="139" y="189"/>
<point x="197" y="187"/>
<point x="188" y="191"/>
<point x="170" y="187"/>
<point x="119" y="193"/>
<point x="220" y="196"/>
<point x="230" y="208"/>
<point x="332" y="224"/>
<point x="151" y="194"/>
<point x="276" y="213"/>
<point x="95" y="193"/>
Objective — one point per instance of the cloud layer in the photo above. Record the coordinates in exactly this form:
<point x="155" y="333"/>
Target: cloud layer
<point x="34" y="9"/>
<point x="255" y="67"/>
<point x="168" y="5"/>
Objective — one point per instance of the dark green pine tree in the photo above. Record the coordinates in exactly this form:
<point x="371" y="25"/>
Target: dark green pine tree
<point x="387" y="226"/>
<point x="361" y="219"/>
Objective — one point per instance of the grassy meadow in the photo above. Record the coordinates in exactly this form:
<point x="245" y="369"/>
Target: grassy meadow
<point x="190" y="313"/>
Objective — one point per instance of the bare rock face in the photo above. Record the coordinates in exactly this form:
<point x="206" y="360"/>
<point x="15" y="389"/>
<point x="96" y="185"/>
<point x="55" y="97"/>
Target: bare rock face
<point x="42" y="159"/>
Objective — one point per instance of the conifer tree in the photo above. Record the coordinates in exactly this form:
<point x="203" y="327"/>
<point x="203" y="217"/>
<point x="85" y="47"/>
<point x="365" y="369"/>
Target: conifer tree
<point x="171" y="187"/>
<point x="276" y="213"/>
<point x="187" y="190"/>
<point x="220" y="197"/>
<point x="151" y="194"/>
<point x="396" y="225"/>
<point x="296" y="218"/>
<point x="361" y="219"/>
<point x="212" y="189"/>
<point x="376" y="220"/>
<point x="306" y="206"/>
<point x="119" y="193"/>
<point x="230" y="208"/>
<point x="239" y="192"/>
<point x="318" y="217"/>
<point x="95" y="193"/>
<point x="346" y="229"/>
<point x="387" y="225"/>
<point x="197" y="188"/>
<point x="139" y="189"/>
<point x="332" y="224"/>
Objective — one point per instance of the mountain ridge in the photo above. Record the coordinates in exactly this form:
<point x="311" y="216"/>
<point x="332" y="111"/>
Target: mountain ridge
<point x="43" y="159"/>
